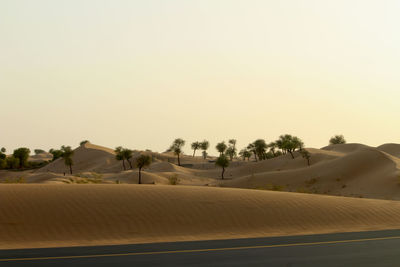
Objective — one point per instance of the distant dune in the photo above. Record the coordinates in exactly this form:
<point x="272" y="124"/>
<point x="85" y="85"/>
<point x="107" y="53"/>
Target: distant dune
<point x="72" y="215"/>
<point x="354" y="170"/>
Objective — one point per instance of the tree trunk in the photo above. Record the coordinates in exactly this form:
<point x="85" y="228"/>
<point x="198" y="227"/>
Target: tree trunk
<point x="194" y="152"/>
<point x="123" y="164"/>
<point x="130" y="163"/>
<point x="291" y="153"/>
<point x="222" y="175"/>
<point x="140" y="176"/>
<point x="255" y="156"/>
<point x="308" y="162"/>
<point x="179" y="161"/>
<point x="70" y="169"/>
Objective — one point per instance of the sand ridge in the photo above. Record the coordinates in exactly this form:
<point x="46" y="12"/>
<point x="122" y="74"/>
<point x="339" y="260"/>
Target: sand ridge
<point x="43" y="215"/>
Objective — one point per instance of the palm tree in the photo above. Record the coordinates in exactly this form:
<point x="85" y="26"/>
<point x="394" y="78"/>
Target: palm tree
<point x="67" y="154"/>
<point x="141" y="162"/>
<point x="204" y="146"/>
<point x="223" y="162"/>
<point x="195" y="145"/>
<point x="176" y="147"/>
<point x="119" y="155"/>
<point x="221" y="147"/>
<point x="127" y="154"/>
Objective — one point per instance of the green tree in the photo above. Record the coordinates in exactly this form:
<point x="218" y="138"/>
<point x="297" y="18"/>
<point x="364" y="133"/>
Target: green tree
<point x="305" y="154"/>
<point x="223" y="162"/>
<point x="272" y="147"/>
<point x="67" y="154"/>
<point x="204" y="146"/>
<point x="127" y="155"/>
<point x="176" y="147"/>
<point x="252" y="148"/>
<point x="84" y="142"/>
<point x="289" y="143"/>
<point x="56" y="153"/>
<point x="244" y="153"/>
<point x="3" y="153"/>
<point x="221" y="148"/>
<point x="337" y="139"/>
<point x="39" y="151"/>
<point x="195" y="145"/>
<point x="22" y="154"/>
<point x="119" y="155"/>
<point x="231" y="151"/>
<point x="260" y="148"/>
<point x="141" y="162"/>
<point x="12" y="162"/>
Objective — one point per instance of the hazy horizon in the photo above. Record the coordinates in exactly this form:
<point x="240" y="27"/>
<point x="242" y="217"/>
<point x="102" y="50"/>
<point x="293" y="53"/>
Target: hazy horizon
<point x="142" y="73"/>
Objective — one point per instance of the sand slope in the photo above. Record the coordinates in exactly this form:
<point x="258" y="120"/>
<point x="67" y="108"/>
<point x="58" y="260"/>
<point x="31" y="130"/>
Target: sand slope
<point x="362" y="172"/>
<point x="65" y="215"/>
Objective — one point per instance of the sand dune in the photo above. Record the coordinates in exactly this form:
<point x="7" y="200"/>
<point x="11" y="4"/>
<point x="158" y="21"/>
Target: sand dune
<point x="350" y="170"/>
<point x="65" y="215"/>
<point x="392" y="149"/>
<point x="365" y="172"/>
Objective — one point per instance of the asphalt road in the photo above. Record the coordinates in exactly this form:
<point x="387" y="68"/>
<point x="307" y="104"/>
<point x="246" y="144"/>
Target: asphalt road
<point x="378" y="248"/>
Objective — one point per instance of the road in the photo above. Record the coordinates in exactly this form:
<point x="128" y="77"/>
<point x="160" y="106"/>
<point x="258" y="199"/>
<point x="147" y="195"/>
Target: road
<point x="377" y="248"/>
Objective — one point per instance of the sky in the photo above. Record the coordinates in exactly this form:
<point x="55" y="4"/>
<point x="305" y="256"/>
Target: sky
<point x="142" y="73"/>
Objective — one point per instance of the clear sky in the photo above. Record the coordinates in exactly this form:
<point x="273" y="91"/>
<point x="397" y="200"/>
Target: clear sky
<point x="141" y="73"/>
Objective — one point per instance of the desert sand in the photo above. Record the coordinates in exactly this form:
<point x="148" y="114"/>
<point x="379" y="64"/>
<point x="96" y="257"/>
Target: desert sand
<point x="73" y="215"/>
<point x="350" y="187"/>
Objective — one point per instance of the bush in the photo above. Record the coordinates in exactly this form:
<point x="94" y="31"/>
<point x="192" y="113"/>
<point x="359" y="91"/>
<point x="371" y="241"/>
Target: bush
<point x="173" y="179"/>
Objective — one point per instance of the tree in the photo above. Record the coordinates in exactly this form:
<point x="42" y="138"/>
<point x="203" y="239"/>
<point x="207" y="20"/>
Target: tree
<point x="67" y="154"/>
<point x="3" y="153"/>
<point x="56" y="153"/>
<point x="127" y="154"/>
<point x="272" y="146"/>
<point x="337" y="139"/>
<point x="252" y="148"/>
<point x="84" y="142"/>
<point x="260" y="148"/>
<point x="231" y="151"/>
<point x="12" y="162"/>
<point x="244" y="153"/>
<point x="195" y="145"/>
<point x="289" y="143"/>
<point x="221" y="147"/>
<point x="232" y="142"/>
<point x="223" y="162"/>
<point x="305" y="154"/>
<point x="119" y="155"/>
<point x="141" y="162"/>
<point x="22" y="154"/>
<point x="176" y="147"/>
<point x="204" y="146"/>
<point x="39" y="151"/>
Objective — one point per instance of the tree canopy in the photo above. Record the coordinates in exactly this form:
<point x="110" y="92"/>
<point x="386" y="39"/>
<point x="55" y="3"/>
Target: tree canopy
<point x="337" y="139"/>
<point x="223" y="162"/>
<point x="22" y="154"/>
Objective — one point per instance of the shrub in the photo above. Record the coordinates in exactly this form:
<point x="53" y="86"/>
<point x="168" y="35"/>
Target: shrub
<point x="173" y="179"/>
